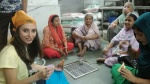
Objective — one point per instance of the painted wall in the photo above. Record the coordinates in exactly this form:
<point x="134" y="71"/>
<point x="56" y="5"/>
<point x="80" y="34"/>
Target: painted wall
<point x="41" y="10"/>
<point x="69" y="6"/>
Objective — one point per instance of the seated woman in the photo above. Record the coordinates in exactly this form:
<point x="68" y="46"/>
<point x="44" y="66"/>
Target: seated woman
<point x="54" y="41"/>
<point x="17" y="57"/>
<point x="141" y="29"/>
<point x="110" y="52"/>
<point x="87" y="36"/>
<point x="118" y="24"/>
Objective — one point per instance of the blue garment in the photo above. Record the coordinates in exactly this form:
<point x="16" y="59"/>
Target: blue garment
<point x="58" y="77"/>
<point x="143" y="24"/>
<point x="9" y="6"/>
<point x="41" y="82"/>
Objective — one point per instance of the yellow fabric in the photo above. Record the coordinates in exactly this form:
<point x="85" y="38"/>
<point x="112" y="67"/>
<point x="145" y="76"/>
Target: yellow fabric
<point x="21" y="18"/>
<point x="10" y="59"/>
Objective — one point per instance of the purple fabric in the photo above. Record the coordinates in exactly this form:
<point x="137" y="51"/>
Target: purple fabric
<point x="122" y="35"/>
<point x="85" y="31"/>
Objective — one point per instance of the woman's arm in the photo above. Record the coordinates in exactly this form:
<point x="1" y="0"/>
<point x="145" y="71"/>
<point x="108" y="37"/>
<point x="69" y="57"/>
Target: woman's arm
<point x="132" y="52"/>
<point x="11" y="77"/>
<point x="38" y="67"/>
<point x="92" y="37"/>
<point x="24" y="5"/>
<point x="64" y="39"/>
<point x="127" y="74"/>
<point x="110" y="45"/>
<point x="141" y="81"/>
<point x="65" y="44"/>
<point x="46" y="36"/>
<point x="107" y="48"/>
<point x="114" y="24"/>
<point x="76" y="35"/>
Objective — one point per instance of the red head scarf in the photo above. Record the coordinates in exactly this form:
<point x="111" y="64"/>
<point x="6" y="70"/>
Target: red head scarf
<point x="58" y="34"/>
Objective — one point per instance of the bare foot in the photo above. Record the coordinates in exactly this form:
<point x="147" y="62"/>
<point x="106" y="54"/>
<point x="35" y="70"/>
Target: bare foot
<point x="63" y="54"/>
<point x="71" y="52"/>
<point x="81" y="53"/>
<point x="100" y="60"/>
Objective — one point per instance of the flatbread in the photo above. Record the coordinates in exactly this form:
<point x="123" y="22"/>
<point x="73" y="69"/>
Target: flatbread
<point x="122" y="66"/>
<point x="62" y="62"/>
<point x="60" y="66"/>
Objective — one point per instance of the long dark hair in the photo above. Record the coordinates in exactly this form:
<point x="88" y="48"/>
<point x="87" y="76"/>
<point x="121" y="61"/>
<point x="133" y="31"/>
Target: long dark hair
<point x="133" y="16"/>
<point x="52" y="20"/>
<point x="34" y="49"/>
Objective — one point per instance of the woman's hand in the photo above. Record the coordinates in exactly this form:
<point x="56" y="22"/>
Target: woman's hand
<point x="88" y="38"/>
<point x="45" y="74"/>
<point x="123" y="42"/>
<point x="83" y="38"/>
<point x="127" y="75"/>
<point x="112" y="25"/>
<point x="62" y="53"/>
<point x="105" y="51"/>
<point x="66" y="51"/>
<point x="122" y="52"/>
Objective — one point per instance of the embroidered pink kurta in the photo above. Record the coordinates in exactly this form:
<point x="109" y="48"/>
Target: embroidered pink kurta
<point x="122" y="35"/>
<point x="84" y="31"/>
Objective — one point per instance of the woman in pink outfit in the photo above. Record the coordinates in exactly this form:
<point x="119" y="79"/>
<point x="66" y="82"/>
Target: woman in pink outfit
<point x="87" y="36"/>
<point x="112" y="50"/>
